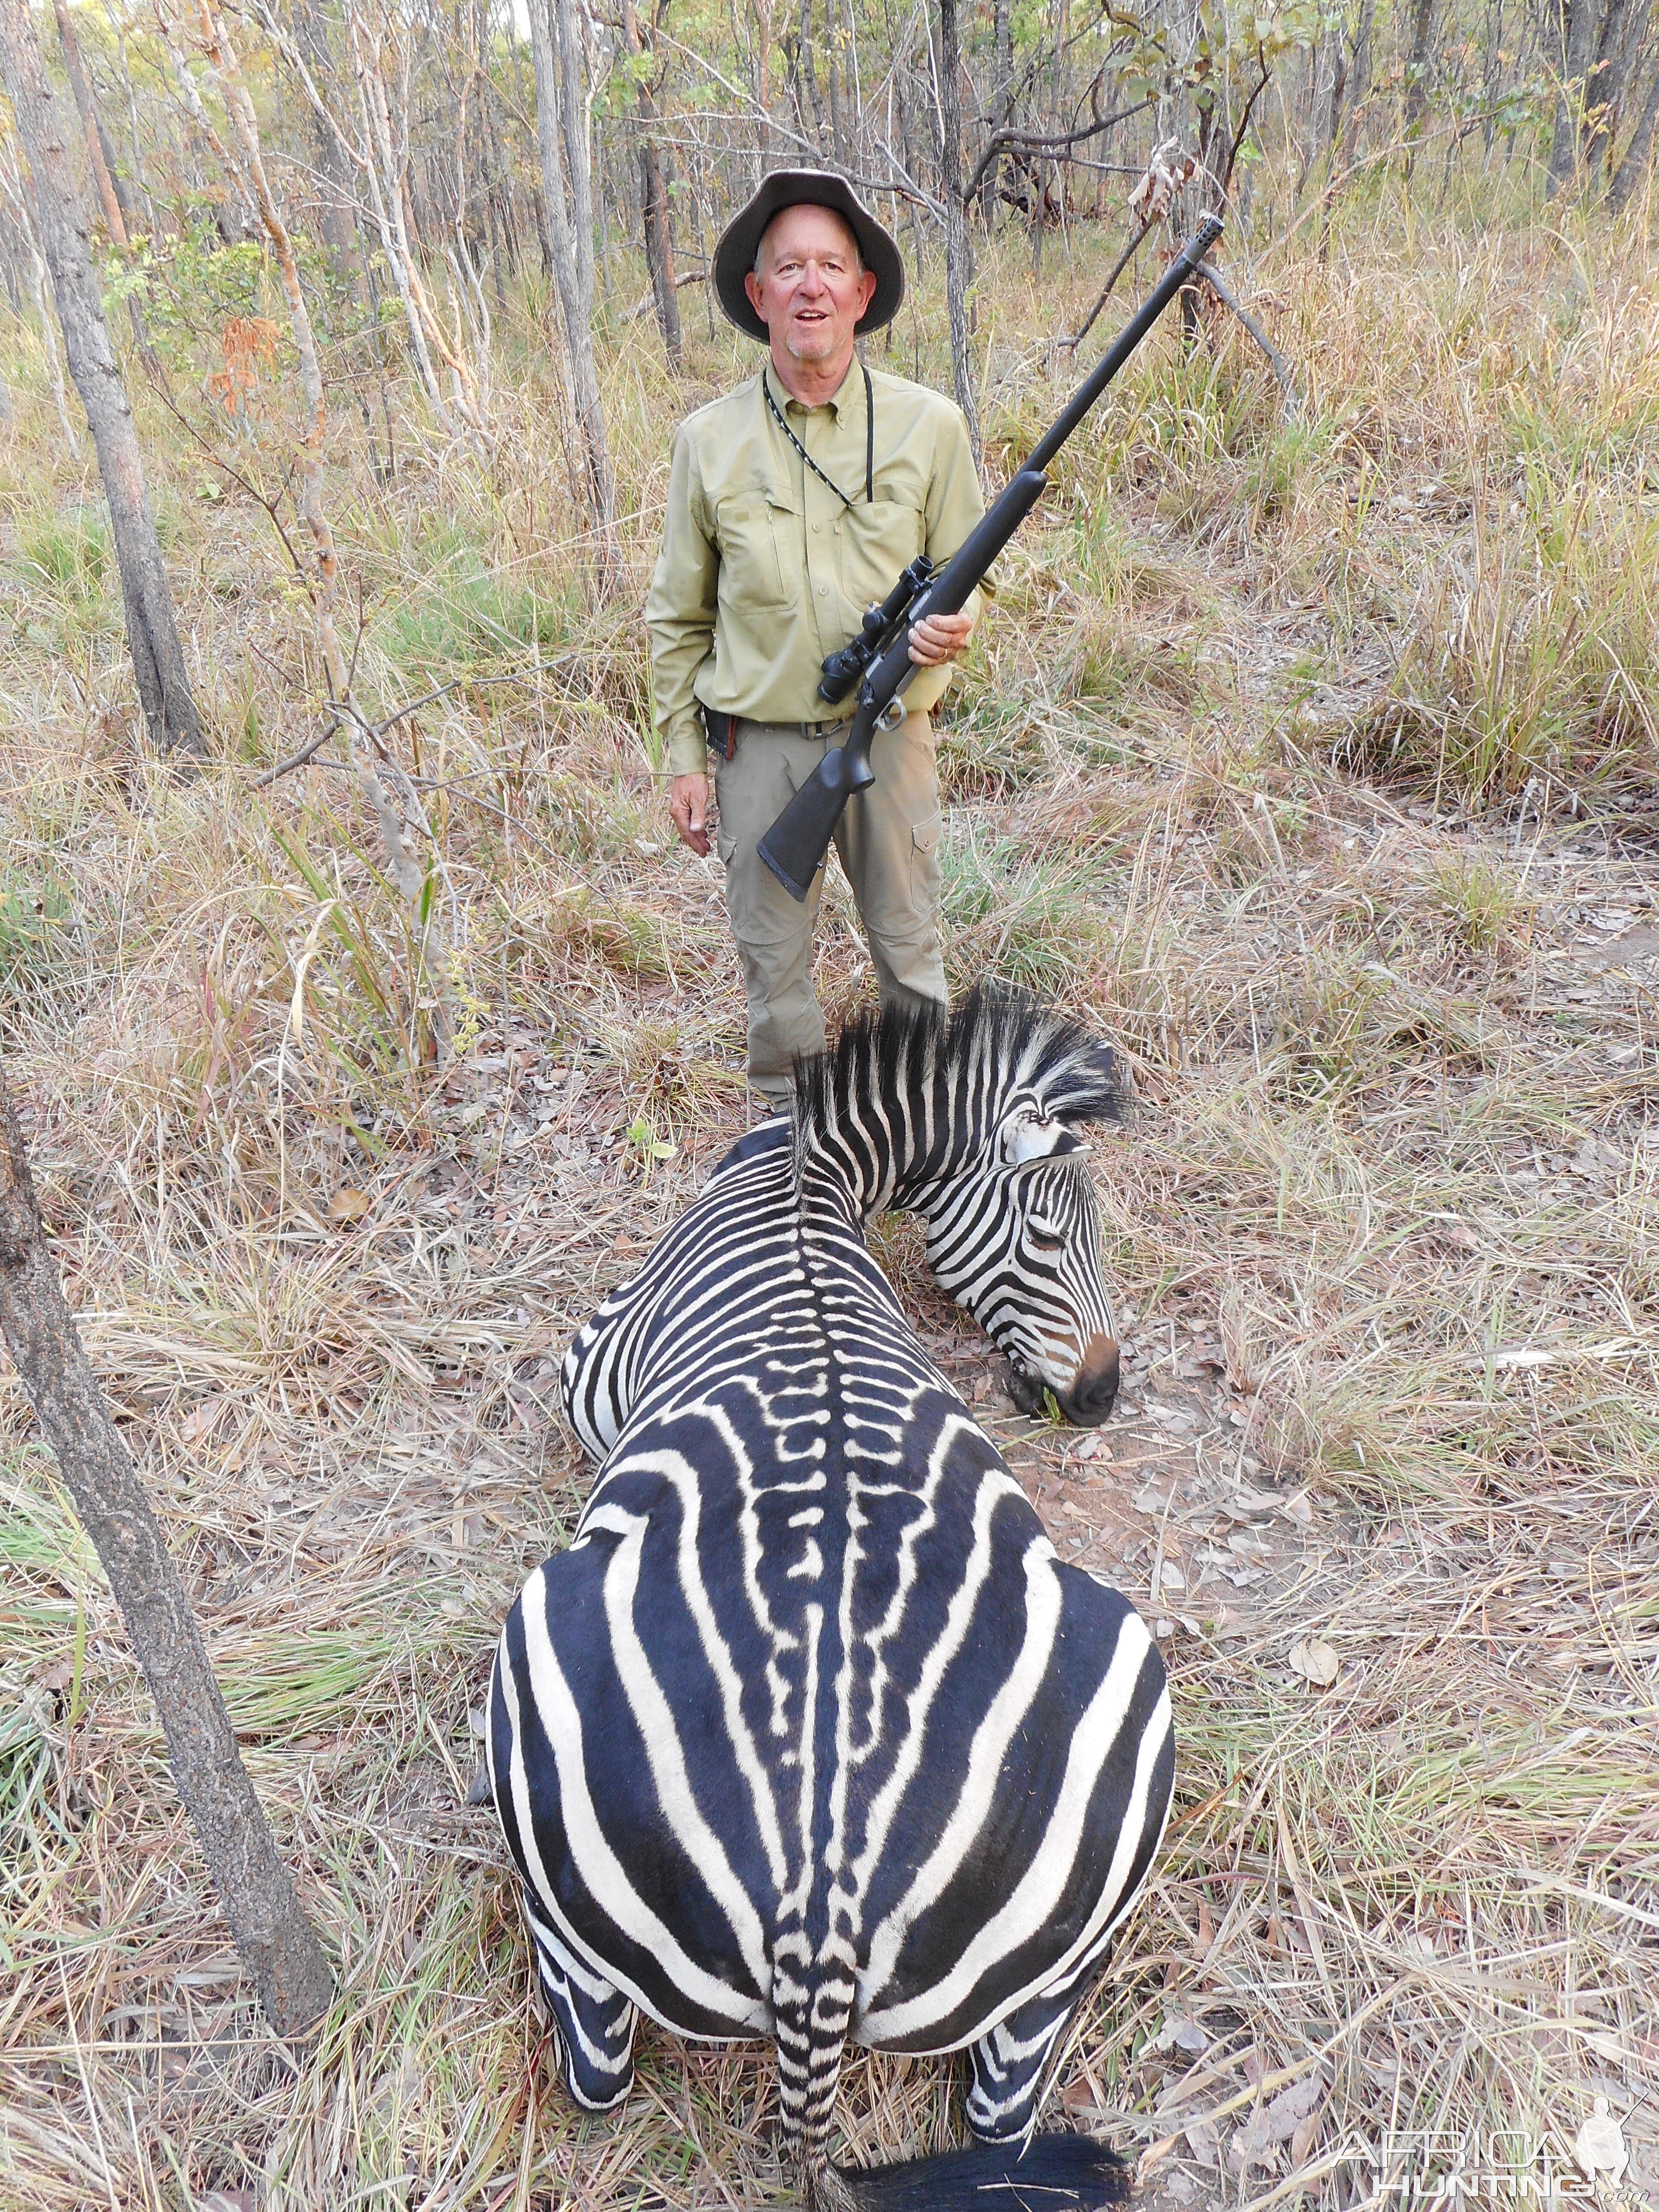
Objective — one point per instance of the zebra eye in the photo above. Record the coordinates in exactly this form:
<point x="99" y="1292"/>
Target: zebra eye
<point x="1045" y="1239"/>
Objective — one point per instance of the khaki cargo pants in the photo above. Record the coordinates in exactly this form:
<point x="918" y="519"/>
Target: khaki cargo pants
<point x="888" y="841"/>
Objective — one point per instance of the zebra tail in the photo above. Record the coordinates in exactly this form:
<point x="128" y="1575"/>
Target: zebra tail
<point x="1052" y="2173"/>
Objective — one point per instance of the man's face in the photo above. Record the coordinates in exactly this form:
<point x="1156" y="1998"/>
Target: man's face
<point x="811" y="290"/>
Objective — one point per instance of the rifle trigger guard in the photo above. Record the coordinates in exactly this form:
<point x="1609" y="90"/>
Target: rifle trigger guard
<point x="891" y="714"/>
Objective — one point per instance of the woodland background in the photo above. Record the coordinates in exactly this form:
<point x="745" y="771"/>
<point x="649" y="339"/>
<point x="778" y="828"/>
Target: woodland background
<point x="367" y="1024"/>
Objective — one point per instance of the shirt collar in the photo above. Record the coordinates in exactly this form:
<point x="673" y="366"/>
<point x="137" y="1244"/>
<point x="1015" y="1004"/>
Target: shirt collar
<point x="845" y="402"/>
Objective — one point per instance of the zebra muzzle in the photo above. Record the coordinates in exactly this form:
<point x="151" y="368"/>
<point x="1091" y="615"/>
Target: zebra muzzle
<point x="1093" y="1390"/>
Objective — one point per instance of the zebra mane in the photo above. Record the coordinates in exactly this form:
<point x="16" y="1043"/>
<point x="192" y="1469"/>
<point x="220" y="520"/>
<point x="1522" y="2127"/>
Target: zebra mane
<point x="954" y="1073"/>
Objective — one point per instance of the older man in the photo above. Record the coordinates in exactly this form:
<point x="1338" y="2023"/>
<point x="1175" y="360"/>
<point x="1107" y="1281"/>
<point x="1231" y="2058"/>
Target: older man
<point x="792" y="505"/>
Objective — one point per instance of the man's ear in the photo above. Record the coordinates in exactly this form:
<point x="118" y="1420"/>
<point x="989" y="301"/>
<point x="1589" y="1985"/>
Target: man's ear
<point x="866" y="286"/>
<point x="752" y="288"/>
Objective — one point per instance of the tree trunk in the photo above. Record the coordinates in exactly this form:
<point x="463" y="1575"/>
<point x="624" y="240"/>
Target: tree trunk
<point x="1178" y="117"/>
<point x="660" y="249"/>
<point x="81" y="86"/>
<point x="1184" y="133"/>
<point x="277" y="1944"/>
<point x="1604" y="85"/>
<point x="763" y="84"/>
<point x="1417" y="76"/>
<point x="1002" y="51"/>
<point x="563" y="145"/>
<point x="807" y="70"/>
<point x="1360" y="74"/>
<point x="336" y="211"/>
<point x="388" y="180"/>
<point x="1628" y="175"/>
<point x="158" y="664"/>
<point x="1580" y="20"/>
<point x="653" y="202"/>
<point x="959" y="249"/>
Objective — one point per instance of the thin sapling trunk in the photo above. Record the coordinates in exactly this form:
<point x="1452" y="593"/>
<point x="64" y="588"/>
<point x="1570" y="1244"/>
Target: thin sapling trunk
<point x="276" y="1942"/>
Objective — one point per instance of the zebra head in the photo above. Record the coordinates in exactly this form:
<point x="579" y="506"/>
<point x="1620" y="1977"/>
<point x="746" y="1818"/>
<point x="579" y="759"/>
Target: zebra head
<point x="969" y="1117"/>
<point x="1018" y="1244"/>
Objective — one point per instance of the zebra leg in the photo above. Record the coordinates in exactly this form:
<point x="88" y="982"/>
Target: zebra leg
<point x="1008" y="2064"/>
<point x="593" y="2022"/>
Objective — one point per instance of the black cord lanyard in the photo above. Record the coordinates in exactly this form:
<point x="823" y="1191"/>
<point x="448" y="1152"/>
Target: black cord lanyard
<point x="869" y="440"/>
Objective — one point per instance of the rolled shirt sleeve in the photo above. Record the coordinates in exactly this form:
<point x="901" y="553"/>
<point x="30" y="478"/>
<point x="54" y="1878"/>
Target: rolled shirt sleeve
<point x="680" y="611"/>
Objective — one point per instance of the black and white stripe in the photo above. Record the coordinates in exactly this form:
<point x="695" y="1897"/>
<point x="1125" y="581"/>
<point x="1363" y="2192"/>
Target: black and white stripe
<point x="809" y="1734"/>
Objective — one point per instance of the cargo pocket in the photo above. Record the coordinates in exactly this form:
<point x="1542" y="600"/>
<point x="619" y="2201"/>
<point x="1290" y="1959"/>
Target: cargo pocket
<point x="925" y="838"/>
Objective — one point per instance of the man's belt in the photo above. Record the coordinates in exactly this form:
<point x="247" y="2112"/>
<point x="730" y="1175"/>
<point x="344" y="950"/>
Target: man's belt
<point x="722" y="728"/>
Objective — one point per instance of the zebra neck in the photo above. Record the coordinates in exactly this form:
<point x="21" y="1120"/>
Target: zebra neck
<point x="848" y="1178"/>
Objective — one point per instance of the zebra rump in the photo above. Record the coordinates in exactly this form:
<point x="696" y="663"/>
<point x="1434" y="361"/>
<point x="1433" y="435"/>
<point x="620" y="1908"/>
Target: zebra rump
<point x="809" y="1734"/>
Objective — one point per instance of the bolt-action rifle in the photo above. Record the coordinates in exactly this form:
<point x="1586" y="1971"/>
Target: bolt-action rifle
<point x="878" y="660"/>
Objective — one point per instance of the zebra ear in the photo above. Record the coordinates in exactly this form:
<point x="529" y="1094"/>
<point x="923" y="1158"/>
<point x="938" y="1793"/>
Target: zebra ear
<point x="1093" y="1085"/>
<point x="1033" y="1136"/>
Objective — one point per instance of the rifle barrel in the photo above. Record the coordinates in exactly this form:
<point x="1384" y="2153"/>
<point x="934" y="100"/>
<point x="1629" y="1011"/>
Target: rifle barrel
<point x="1179" y="272"/>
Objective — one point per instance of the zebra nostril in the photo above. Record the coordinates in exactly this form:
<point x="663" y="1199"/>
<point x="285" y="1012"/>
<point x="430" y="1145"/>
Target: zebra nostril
<point x="1094" y="1387"/>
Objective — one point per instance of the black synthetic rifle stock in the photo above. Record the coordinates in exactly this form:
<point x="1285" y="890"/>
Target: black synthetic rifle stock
<point x="794" y="847"/>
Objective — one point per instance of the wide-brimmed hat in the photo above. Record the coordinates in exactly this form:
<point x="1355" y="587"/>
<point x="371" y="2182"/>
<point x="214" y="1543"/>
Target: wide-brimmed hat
<point x="734" y="257"/>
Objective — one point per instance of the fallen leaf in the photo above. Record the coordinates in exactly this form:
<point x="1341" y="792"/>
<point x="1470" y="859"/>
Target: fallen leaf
<point x="1180" y="2032"/>
<point x="1315" y="1662"/>
<point x="1202" y="2140"/>
<point x="200" y="1420"/>
<point x="1277" y="2121"/>
<point x="348" y="1204"/>
<point x="1206" y="1934"/>
<point x="1306" y="2136"/>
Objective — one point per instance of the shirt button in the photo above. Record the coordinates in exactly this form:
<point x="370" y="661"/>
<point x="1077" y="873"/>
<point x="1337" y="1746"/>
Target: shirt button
<point x="823" y="590"/>
<point x="816" y="527"/>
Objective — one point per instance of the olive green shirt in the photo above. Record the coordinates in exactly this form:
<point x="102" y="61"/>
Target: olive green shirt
<point x="763" y="571"/>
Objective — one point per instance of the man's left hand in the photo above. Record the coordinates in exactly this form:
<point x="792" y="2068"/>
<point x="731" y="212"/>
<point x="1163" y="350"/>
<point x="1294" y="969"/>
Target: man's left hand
<point x="937" y="639"/>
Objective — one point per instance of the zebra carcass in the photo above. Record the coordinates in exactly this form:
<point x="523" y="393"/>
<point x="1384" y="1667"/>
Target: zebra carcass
<point x="810" y="1735"/>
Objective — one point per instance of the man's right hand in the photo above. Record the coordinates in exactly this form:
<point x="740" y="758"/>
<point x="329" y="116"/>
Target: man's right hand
<point x="688" y="802"/>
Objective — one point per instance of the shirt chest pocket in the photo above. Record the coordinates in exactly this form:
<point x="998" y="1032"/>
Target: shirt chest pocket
<point x="762" y="550"/>
<point x="877" y="539"/>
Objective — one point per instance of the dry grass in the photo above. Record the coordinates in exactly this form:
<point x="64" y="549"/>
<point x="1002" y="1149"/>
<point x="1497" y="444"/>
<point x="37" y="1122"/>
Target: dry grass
<point x="1315" y="761"/>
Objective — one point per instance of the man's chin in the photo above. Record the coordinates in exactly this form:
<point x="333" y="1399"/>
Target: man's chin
<point x="811" y="345"/>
